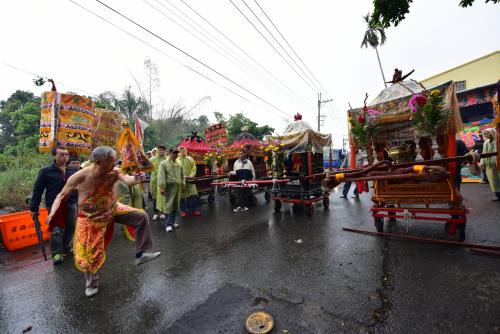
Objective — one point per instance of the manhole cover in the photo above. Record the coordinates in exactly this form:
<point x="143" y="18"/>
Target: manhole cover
<point x="259" y="323"/>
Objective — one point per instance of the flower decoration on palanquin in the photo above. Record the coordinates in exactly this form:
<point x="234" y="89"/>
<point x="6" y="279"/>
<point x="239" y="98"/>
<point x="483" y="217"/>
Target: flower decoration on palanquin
<point x="209" y="159"/>
<point x="417" y="101"/>
<point x="220" y="157"/>
<point x="276" y="152"/>
<point x="428" y="114"/>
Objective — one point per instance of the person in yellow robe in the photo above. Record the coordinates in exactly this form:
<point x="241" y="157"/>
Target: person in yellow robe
<point x="170" y="184"/>
<point x="189" y="197"/>
<point x="153" y="183"/>
<point x="131" y="196"/>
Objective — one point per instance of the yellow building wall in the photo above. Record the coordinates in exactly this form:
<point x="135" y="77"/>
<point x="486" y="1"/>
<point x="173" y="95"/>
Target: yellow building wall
<point x="476" y="73"/>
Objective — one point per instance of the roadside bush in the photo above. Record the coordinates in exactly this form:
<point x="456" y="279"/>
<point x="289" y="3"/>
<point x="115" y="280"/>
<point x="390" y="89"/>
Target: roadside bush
<point x="17" y="177"/>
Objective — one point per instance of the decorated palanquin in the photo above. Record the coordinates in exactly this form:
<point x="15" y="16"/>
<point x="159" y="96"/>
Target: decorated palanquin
<point x="131" y="153"/>
<point x="303" y="166"/>
<point x="197" y="148"/>
<point x="395" y="137"/>
<point x="66" y="120"/>
<point x="107" y="127"/>
<point x="304" y="147"/>
<point x="253" y="147"/>
<point x="391" y="117"/>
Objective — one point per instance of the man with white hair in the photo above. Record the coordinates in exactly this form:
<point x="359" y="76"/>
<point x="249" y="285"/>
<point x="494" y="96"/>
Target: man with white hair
<point x="97" y="211"/>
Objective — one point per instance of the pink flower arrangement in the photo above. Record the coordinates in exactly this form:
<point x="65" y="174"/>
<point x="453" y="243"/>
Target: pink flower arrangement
<point x="417" y="101"/>
<point x="372" y="112"/>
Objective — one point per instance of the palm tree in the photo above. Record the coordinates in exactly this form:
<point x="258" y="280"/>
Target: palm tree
<point x="374" y="36"/>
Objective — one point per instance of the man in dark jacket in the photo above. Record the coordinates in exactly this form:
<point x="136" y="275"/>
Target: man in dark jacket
<point x="52" y="179"/>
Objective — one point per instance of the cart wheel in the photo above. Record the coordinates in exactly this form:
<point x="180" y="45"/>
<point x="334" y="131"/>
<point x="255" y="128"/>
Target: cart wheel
<point x="379" y="224"/>
<point x="232" y="199"/>
<point x="253" y="200"/>
<point x="461" y="232"/>
<point x="277" y="205"/>
<point x="310" y="210"/>
<point x="326" y="202"/>
<point x="211" y="199"/>
<point x="267" y="196"/>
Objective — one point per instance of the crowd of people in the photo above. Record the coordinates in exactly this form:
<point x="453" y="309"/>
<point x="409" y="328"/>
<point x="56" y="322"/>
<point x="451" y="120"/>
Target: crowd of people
<point x="84" y="201"/>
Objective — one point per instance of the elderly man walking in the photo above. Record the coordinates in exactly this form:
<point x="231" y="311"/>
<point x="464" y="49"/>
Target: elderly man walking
<point x="170" y="182"/>
<point x="97" y="211"/>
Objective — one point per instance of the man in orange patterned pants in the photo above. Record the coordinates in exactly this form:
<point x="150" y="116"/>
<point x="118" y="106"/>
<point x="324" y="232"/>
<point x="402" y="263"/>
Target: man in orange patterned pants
<point x="97" y="211"/>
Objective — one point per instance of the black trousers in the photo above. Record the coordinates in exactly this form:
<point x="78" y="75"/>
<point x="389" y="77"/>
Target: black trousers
<point x="61" y="238"/>
<point x="244" y="196"/>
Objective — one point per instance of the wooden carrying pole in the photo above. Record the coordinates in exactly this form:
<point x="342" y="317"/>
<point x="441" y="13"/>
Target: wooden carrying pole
<point x="422" y="239"/>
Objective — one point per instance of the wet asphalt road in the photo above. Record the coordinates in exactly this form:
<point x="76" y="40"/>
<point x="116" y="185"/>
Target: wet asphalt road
<point x="217" y="269"/>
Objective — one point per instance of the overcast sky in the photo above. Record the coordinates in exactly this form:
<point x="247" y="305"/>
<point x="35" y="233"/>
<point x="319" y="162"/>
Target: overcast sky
<point x="84" y="54"/>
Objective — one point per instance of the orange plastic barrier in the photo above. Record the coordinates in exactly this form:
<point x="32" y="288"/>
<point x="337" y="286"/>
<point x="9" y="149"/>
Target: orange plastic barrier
<point x="18" y="229"/>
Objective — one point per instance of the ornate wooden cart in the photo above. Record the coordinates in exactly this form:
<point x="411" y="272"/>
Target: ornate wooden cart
<point x="304" y="167"/>
<point x="395" y="138"/>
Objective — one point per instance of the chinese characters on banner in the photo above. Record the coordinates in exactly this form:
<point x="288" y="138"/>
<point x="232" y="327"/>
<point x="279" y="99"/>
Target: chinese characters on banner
<point x="216" y="135"/>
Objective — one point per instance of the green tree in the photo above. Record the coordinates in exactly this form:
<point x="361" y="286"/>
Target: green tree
<point x="392" y="12"/>
<point x="107" y="100"/>
<point x="237" y="122"/>
<point x="19" y="123"/>
<point x="374" y="36"/>
<point x="129" y="103"/>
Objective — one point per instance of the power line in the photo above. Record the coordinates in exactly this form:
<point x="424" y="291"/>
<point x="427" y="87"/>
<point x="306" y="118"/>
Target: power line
<point x="270" y="44"/>
<point x="207" y="34"/>
<point x="281" y="46"/>
<point x="216" y="41"/>
<point x="40" y="76"/>
<point x="291" y="48"/>
<point x="244" y="52"/>
<point x="168" y="56"/>
<point x="204" y="42"/>
<point x="294" y="52"/>
<point x="317" y="85"/>
<point x="190" y="56"/>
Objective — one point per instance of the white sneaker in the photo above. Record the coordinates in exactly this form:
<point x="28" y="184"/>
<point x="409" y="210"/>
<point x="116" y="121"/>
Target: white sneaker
<point x="238" y="209"/>
<point x="244" y="208"/>
<point x="176" y="225"/>
<point x="155" y="217"/>
<point x="162" y="216"/>
<point x="145" y="257"/>
<point x="89" y="292"/>
<point x="169" y="229"/>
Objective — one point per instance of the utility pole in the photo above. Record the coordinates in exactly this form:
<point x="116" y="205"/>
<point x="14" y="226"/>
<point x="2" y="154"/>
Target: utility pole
<point x="320" y="103"/>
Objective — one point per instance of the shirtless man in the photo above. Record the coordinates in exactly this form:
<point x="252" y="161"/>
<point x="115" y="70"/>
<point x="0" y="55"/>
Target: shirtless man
<point x="97" y="211"/>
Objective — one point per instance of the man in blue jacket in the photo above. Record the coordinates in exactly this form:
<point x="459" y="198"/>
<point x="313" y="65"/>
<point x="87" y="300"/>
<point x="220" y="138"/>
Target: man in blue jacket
<point x="51" y="179"/>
